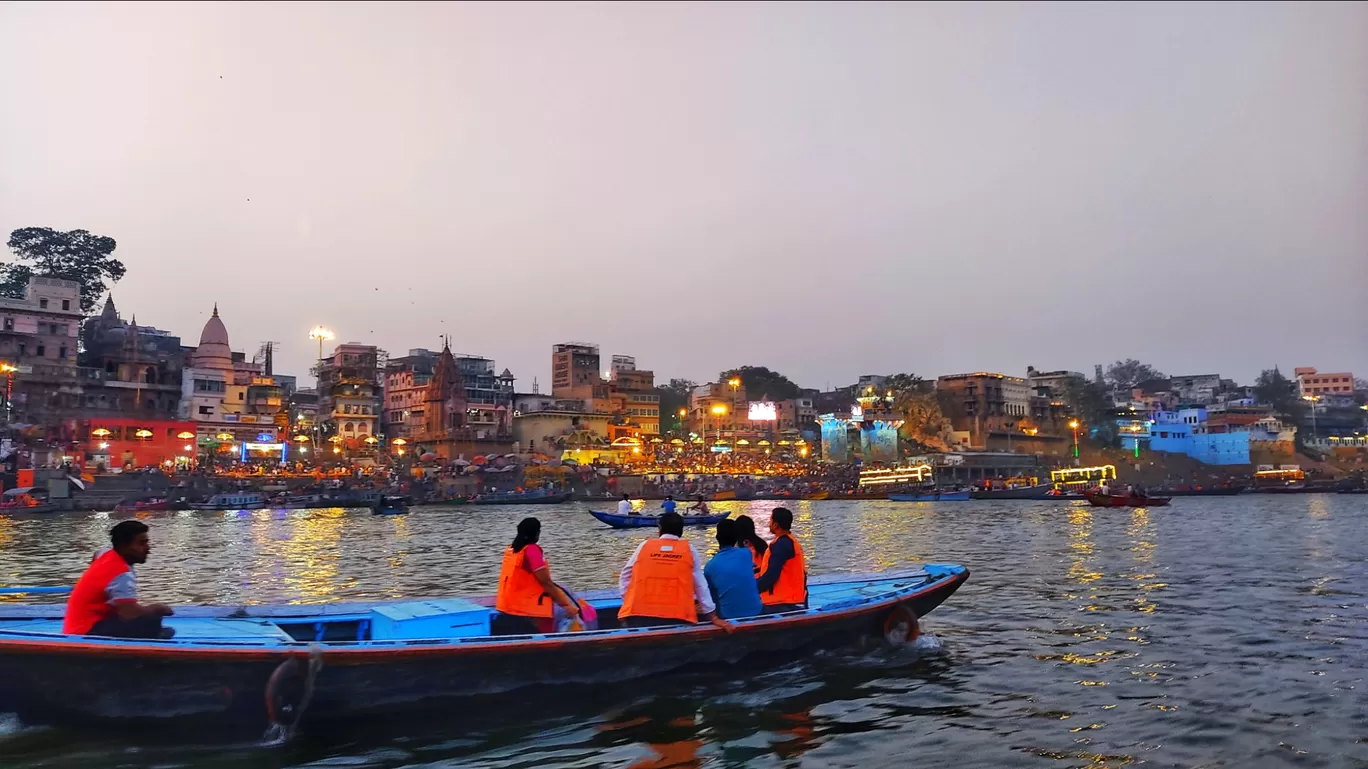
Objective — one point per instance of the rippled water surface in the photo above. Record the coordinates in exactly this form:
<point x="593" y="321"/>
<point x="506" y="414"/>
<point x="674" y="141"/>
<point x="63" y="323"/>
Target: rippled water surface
<point x="1216" y="632"/>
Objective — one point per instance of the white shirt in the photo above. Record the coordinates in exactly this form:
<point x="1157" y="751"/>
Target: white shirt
<point x="702" y="595"/>
<point x="625" y="507"/>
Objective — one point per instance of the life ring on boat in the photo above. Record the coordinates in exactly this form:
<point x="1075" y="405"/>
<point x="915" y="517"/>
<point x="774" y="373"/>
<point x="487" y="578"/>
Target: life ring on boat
<point x="900" y="626"/>
<point x="285" y="691"/>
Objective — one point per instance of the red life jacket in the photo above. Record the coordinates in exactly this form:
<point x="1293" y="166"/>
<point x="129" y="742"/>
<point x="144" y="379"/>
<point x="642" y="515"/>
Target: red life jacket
<point x="89" y="602"/>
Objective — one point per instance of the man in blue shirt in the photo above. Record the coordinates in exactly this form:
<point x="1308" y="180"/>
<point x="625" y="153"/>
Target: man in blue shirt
<point x="668" y="505"/>
<point x="731" y="576"/>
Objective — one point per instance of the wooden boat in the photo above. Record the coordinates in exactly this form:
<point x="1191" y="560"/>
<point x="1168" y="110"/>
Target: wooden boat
<point x="1040" y="491"/>
<point x="538" y="497"/>
<point x="143" y="505"/>
<point x="643" y="521"/>
<point x="1098" y="499"/>
<point x="961" y="495"/>
<point x="237" y="500"/>
<point x="388" y="505"/>
<point x="1201" y="491"/>
<point x="256" y="665"/>
<point x="818" y="495"/>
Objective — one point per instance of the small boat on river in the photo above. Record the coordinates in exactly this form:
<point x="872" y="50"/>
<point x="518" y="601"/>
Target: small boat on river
<point x="237" y="500"/>
<point x="1040" y="491"/>
<point x="534" y="497"/>
<point x="391" y="505"/>
<point x="153" y="504"/>
<point x="932" y="495"/>
<point x="1098" y="499"/>
<point x="252" y="666"/>
<point x="618" y="521"/>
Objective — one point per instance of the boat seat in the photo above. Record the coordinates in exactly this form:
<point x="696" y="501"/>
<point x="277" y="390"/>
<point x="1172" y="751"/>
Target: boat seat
<point x="187" y="629"/>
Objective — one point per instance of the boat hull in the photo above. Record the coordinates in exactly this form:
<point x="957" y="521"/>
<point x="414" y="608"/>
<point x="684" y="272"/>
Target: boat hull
<point x="652" y="521"/>
<point x="60" y="679"/>
<point x="1115" y="500"/>
<point x="1029" y="492"/>
<point x="940" y="496"/>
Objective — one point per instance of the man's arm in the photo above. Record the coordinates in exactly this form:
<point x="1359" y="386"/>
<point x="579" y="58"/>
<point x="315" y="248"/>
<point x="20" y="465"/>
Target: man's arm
<point x="123" y="596"/>
<point x="625" y="576"/>
<point x="780" y="551"/>
<point x="701" y="591"/>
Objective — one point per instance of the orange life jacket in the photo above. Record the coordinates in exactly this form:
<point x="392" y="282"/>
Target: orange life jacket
<point x="791" y="587"/>
<point x="662" y="582"/>
<point x="88" y="603"/>
<point x="519" y="591"/>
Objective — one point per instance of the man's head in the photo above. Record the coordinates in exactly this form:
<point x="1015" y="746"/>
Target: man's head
<point x="667" y="496"/>
<point x="672" y="523"/>
<point x="726" y="533"/>
<point x="129" y="539"/>
<point x="626" y="498"/>
<point x="781" y="521"/>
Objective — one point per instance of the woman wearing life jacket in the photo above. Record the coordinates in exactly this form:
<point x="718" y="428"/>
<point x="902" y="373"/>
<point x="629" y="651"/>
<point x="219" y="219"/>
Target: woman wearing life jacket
<point x="527" y="597"/>
<point x="745" y="530"/>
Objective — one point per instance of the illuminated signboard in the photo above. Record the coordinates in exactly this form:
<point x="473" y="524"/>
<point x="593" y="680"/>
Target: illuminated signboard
<point x="763" y="411"/>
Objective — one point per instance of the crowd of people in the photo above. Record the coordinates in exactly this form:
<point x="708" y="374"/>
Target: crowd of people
<point x="663" y="583"/>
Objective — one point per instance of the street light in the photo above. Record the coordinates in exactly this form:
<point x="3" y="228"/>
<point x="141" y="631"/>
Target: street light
<point x="1073" y="425"/>
<point x="1313" y="399"/>
<point x="9" y="369"/>
<point x="719" y="411"/>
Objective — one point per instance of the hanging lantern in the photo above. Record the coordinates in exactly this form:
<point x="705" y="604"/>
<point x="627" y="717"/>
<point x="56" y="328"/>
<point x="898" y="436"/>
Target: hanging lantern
<point x="100" y="432"/>
<point x="185" y="435"/>
<point x="144" y="433"/>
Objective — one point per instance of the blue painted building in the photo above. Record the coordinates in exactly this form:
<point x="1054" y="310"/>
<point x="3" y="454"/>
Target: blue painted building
<point x="1184" y="432"/>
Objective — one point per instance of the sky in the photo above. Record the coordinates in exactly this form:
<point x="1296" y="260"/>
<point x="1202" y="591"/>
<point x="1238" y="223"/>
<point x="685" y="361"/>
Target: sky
<point x="829" y="190"/>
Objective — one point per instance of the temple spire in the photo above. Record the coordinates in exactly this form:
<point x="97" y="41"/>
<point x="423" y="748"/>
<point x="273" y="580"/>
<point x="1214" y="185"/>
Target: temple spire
<point x="215" y="309"/>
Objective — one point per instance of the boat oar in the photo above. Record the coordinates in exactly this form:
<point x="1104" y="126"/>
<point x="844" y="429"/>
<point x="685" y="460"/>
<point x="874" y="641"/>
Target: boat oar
<point x="33" y="590"/>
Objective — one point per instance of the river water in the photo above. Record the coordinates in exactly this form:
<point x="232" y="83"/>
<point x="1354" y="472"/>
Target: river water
<point x="1215" y="632"/>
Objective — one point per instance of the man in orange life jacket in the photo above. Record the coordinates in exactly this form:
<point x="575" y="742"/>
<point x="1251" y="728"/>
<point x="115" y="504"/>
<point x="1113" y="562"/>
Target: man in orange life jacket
<point x="105" y="599"/>
<point x="783" y="571"/>
<point x="663" y="584"/>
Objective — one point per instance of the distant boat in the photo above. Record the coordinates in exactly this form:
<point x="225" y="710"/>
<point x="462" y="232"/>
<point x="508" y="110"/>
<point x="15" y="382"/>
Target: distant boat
<point x="1098" y="499"/>
<point x="142" y="505"/>
<point x="536" y="497"/>
<point x="644" y="521"/>
<point x="1040" y="491"/>
<point x="931" y="496"/>
<point x="388" y="505"/>
<point x="238" y="500"/>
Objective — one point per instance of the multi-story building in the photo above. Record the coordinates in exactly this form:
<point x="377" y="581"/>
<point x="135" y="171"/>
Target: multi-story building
<point x="443" y="420"/>
<point x="637" y="403"/>
<point x="795" y="414"/>
<point x="549" y="425"/>
<point x="39" y="335"/>
<point x="983" y="405"/>
<point x="575" y="371"/>
<point x="489" y="396"/>
<point x="303" y="405"/>
<point x="1054" y="385"/>
<point x="140" y="368"/>
<point x="349" y="389"/>
<point x="1320" y="384"/>
<point x="1196" y="389"/>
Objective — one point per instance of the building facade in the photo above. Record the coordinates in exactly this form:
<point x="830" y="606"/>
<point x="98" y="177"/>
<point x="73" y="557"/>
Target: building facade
<point x="39" y="335"/>
<point x="233" y="402"/>
<point x="349" y="389"/>
<point x="140" y="368"/>
<point x="984" y="407"/>
<point x="575" y="370"/>
<point x="1319" y="384"/>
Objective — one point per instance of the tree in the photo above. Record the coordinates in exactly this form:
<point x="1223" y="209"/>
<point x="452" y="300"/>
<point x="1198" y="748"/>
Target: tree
<point x="1090" y="403"/>
<point x="908" y="383"/>
<point x="76" y="255"/>
<point x="761" y="383"/>
<point x="1275" y="390"/>
<point x="924" y="422"/>
<point x="1125" y="374"/>
<point x="673" y="397"/>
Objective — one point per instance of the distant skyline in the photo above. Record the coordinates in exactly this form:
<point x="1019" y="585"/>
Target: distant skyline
<point x="828" y="190"/>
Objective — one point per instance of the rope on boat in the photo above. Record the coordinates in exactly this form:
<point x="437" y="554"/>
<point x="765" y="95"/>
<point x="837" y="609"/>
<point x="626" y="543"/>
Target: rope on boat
<point x="285" y="716"/>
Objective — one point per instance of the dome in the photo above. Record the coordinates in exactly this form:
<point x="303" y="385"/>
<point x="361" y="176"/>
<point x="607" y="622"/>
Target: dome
<point x="213" y="350"/>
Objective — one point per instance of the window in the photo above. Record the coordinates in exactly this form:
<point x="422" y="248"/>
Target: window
<point x="351" y="428"/>
<point x="42" y="304"/>
<point x="23" y="349"/>
<point x="9" y="324"/>
<point x="61" y="352"/>
<point x="66" y="304"/>
<point x="206" y="410"/>
<point x="361" y="427"/>
<point x="41" y="350"/>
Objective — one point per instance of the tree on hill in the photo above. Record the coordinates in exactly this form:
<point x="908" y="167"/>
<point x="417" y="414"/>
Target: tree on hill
<point x="900" y="383"/>
<point x="75" y="255"/>
<point x="1125" y="374"/>
<point x="673" y="397"/>
<point x="924" y="421"/>
<point x="1091" y="405"/>
<point x="1275" y="390"/>
<point x="760" y="382"/>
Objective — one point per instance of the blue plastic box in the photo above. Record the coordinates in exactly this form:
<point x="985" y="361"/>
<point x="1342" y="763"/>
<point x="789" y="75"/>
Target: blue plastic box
<point x="434" y="619"/>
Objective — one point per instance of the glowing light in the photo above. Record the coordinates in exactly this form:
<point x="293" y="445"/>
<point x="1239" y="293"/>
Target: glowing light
<point x="189" y="447"/>
<point x="734" y="382"/>
<point x="743" y="442"/>
<point x="301" y="438"/>
<point x="370" y="439"/>
<point x="762" y="411"/>
<point x="1073" y="424"/>
<point x="224" y="436"/>
<point x="399" y="442"/>
<point x="321" y="334"/>
<point x="185" y="435"/>
<point x="336" y="450"/>
<point x="401" y="452"/>
<point x="144" y="433"/>
<point x="100" y="432"/>
<point x="719" y="409"/>
<point x="8" y="368"/>
<point x="104" y="445"/>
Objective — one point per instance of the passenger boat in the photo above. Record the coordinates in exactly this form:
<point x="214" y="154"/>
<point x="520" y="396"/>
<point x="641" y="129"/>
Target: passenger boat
<point x="1040" y="491"/>
<point x="932" y="495"/>
<point x="535" y="497"/>
<point x="388" y="505"/>
<point x="143" y="505"/>
<point x="643" y="521"/>
<point x="1098" y="499"/>
<point x="253" y="666"/>
<point x="237" y="500"/>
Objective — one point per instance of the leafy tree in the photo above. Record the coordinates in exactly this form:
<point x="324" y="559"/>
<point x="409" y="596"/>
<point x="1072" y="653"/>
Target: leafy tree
<point x="76" y="255"/>
<point x="909" y="383"/>
<point x="1275" y="390"/>
<point x="924" y="422"/>
<point x="1128" y="373"/>
<point x="1089" y="402"/>
<point x="673" y="397"/>
<point x="762" y="383"/>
